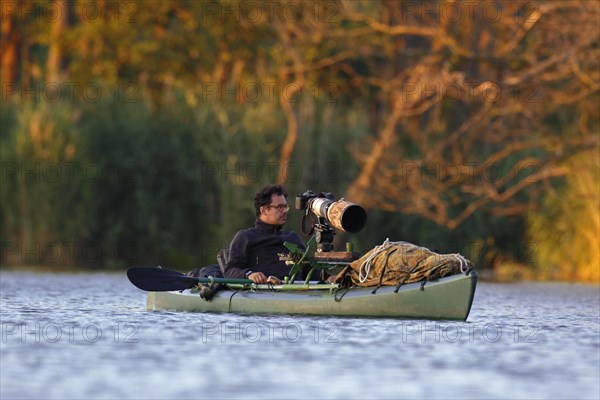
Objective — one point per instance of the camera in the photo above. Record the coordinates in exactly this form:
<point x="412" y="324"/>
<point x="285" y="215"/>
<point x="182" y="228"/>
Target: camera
<point x="341" y="213"/>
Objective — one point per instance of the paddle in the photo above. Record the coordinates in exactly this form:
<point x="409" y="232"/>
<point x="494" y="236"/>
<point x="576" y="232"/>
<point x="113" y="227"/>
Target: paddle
<point x="165" y="280"/>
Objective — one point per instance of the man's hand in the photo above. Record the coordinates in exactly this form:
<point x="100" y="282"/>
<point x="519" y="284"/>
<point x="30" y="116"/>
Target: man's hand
<point x="259" y="277"/>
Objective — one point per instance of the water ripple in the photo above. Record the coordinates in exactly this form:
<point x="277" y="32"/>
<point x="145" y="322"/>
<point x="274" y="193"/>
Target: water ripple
<point x="73" y="336"/>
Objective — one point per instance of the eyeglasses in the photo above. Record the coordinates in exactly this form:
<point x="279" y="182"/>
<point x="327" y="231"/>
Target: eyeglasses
<point x="280" y="207"/>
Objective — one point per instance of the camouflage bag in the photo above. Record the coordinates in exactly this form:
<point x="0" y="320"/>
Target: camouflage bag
<point x="397" y="263"/>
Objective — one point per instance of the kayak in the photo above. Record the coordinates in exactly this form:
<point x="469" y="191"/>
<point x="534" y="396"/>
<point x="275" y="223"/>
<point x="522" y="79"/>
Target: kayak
<point x="447" y="298"/>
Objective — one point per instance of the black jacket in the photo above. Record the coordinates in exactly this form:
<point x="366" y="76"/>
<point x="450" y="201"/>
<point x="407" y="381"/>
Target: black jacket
<point x="256" y="249"/>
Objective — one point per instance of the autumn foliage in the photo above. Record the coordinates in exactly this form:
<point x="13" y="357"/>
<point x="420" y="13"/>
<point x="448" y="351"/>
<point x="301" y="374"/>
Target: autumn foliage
<point x="139" y="130"/>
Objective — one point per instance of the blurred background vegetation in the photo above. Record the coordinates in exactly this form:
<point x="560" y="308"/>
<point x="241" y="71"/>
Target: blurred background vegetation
<point x="136" y="133"/>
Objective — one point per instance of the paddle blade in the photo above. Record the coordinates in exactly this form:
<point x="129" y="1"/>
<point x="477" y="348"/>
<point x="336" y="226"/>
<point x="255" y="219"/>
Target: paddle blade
<point x="159" y="279"/>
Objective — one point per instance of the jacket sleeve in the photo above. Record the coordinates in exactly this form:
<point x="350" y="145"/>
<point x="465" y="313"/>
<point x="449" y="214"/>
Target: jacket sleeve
<point x="237" y="266"/>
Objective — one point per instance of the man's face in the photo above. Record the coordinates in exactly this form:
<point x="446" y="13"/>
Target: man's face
<point x="276" y="212"/>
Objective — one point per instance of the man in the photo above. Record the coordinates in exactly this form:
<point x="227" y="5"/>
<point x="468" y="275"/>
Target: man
<point x="254" y="252"/>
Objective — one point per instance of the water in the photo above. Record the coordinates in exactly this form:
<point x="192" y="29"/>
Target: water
<point x="73" y="336"/>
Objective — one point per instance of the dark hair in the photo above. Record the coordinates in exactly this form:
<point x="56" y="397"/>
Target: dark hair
<point x="263" y="196"/>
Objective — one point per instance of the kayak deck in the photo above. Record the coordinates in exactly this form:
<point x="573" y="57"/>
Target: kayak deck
<point x="447" y="298"/>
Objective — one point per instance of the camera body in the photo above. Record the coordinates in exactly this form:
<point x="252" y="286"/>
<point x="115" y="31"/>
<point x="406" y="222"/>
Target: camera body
<point x="302" y="200"/>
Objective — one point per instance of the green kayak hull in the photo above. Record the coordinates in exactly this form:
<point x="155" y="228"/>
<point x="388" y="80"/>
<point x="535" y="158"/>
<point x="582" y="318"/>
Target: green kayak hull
<point x="448" y="298"/>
